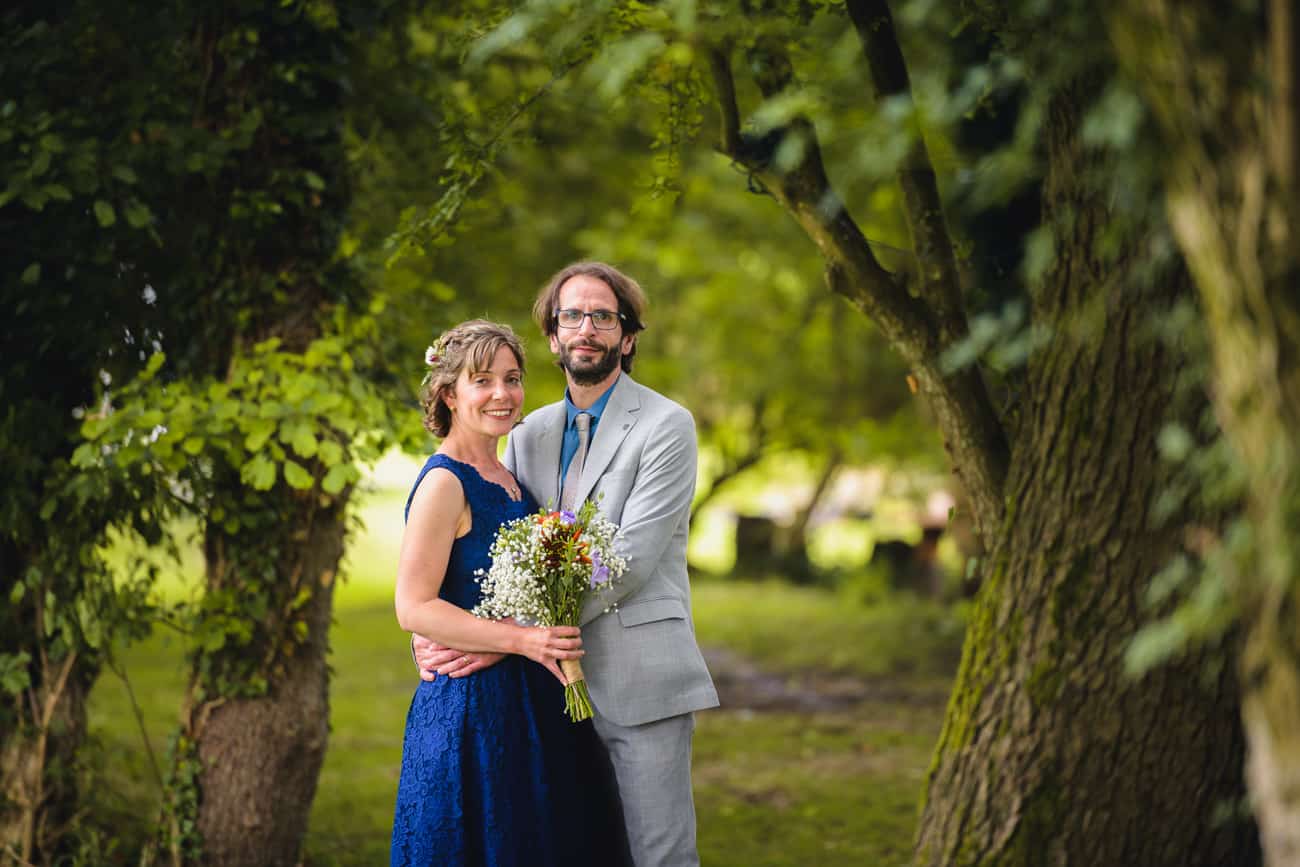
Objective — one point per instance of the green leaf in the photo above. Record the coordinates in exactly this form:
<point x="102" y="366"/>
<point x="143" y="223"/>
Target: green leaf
<point x="192" y="445"/>
<point x="138" y="215"/>
<point x="32" y="274"/>
<point x="85" y="455"/>
<point x="58" y="191"/>
<point x="35" y="199"/>
<point x="303" y="441"/>
<point x="259" y="473"/>
<point x="315" y="181"/>
<point x="14" y="677"/>
<point x="301" y="598"/>
<point x="104" y="213"/>
<point x="125" y="174"/>
<point x="259" y="431"/>
<point x="329" y="452"/>
<point x="336" y="479"/>
<point x="155" y="363"/>
<point x="296" y="476"/>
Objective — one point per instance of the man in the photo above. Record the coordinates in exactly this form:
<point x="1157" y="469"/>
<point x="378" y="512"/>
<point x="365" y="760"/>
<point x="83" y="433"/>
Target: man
<point x="643" y="668"/>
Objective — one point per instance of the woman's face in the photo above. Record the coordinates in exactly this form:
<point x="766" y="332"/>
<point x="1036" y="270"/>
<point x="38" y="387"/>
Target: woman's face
<point x="487" y="402"/>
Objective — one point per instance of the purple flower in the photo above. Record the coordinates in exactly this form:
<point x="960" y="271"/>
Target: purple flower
<point x="567" y="518"/>
<point x="599" y="571"/>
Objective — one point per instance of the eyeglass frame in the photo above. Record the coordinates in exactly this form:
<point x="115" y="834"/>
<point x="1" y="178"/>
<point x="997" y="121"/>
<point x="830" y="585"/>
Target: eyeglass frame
<point x="620" y="318"/>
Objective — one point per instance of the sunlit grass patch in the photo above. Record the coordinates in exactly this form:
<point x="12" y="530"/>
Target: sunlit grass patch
<point x="792" y="789"/>
<point x="787" y="628"/>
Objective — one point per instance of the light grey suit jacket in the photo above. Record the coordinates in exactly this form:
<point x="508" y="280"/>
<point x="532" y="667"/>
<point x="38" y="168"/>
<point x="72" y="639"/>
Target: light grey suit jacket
<point x="642" y="662"/>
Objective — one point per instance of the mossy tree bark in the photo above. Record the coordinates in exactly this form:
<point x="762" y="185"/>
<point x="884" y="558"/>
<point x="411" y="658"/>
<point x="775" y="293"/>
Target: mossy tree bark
<point x="1049" y="755"/>
<point x="257" y="758"/>
<point x="1225" y="86"/>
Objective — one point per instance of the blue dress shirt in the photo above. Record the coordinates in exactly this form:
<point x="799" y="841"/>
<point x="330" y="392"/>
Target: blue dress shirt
<point x="569" y="447"/>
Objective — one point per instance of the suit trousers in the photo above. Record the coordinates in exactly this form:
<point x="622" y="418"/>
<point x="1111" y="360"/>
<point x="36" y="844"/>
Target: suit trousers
<point x="651" y="765"/>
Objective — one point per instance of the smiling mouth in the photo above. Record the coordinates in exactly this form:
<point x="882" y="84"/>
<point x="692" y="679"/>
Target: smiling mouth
<point x="499" y="413"/>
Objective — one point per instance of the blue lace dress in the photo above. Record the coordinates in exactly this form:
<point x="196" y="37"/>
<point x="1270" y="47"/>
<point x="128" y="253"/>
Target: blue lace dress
<point x="490" y="763"/>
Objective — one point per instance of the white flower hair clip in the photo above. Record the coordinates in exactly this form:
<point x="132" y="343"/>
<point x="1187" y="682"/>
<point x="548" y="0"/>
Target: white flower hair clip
<point x="431" y="356"/>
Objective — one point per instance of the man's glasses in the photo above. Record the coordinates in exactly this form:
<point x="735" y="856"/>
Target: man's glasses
<point x="601" y="320"/>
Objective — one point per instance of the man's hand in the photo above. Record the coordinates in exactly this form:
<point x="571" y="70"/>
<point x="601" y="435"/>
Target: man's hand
<point x="435" y="659"/>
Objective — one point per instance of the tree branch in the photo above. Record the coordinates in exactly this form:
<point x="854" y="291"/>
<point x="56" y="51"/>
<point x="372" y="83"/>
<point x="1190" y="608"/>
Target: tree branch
<point x="725" y="86"/>
<point x="972" y="432"/>
<point x="1284" y="73"/>
<point x="937" y="263"/>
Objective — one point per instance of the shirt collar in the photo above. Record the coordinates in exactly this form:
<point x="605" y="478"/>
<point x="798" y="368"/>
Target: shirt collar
<point x="571" y="411"/>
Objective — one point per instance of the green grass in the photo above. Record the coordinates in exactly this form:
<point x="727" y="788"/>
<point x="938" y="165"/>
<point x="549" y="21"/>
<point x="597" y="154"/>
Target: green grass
<point x="794" y="789"/>
<point x="788" y="628"/>
<point x="772" y="788"/>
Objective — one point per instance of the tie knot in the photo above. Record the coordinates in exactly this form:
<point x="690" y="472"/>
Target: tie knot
<point x="582" y="421"/>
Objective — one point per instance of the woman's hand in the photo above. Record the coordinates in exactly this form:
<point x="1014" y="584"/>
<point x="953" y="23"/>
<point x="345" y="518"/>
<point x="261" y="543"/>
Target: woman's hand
<point x="466" y="663"/>
<point x="547" y="645"/>
<point x="434" y="659"/>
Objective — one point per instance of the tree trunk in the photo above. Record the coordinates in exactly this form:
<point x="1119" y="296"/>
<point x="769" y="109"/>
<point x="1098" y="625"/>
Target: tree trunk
<point x="794" y="542"/>
<point x="257" y="758"/>
<point x="1225" y="86"/>
<point x="38" y="761"/>
<point x="1049" y="753"/>
<point x="43" y="726"/>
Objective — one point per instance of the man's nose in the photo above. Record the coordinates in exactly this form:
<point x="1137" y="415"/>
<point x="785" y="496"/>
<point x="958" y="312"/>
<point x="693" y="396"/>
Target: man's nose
<point x="587" y="326"/>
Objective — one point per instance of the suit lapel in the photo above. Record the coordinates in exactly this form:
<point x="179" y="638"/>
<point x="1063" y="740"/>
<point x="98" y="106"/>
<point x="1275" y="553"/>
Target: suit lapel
<point x="542" y="452"/>
<point x="618" y="417"/>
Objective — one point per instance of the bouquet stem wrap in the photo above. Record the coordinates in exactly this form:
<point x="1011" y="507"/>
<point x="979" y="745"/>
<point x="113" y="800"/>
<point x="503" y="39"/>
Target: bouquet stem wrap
<point x="577" y="703"/>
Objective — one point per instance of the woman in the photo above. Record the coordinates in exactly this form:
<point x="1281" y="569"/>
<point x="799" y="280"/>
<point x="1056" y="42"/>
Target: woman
<point x="488" y="760"/>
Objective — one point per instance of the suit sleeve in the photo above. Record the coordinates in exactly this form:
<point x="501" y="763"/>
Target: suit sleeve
<point x="657" y="507"/>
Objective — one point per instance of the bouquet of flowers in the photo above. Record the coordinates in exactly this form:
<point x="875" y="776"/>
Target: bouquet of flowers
<point x="544" y="566"/>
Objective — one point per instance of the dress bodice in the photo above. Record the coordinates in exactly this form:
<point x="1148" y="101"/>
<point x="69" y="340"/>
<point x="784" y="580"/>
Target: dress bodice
<point x="490" y="506"/>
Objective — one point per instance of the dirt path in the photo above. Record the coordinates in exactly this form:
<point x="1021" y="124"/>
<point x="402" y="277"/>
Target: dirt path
<point x="742" y="685"/>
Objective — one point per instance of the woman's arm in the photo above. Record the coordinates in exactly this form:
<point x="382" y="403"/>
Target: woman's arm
<point x="438" y="516"/>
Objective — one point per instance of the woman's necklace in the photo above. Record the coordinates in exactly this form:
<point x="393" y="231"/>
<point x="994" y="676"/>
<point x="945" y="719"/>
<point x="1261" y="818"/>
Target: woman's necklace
<point x="501" y="476"/>
<point x="496" y="473"/>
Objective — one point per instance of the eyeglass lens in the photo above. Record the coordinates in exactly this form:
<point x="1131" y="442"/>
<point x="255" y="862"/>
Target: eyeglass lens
<point x="604" y="320"/>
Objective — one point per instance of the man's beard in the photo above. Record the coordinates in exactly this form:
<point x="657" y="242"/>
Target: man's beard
<point x="594" y="371"/>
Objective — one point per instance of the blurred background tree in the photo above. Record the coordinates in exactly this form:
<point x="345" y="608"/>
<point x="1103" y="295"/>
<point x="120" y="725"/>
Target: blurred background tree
<point x="1225" y="91"/>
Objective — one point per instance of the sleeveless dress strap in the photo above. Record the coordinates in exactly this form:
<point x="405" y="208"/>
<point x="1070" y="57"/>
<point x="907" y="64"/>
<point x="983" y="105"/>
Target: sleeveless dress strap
<point x="434" y="461"/>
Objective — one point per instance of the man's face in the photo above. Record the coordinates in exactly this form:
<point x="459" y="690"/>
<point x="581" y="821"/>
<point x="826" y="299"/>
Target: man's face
<point x="589" y="355"/>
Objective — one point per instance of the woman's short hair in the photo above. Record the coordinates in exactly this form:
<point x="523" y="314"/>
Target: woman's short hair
<point x="471" y="345"/>
<point x="631" y="300"/>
